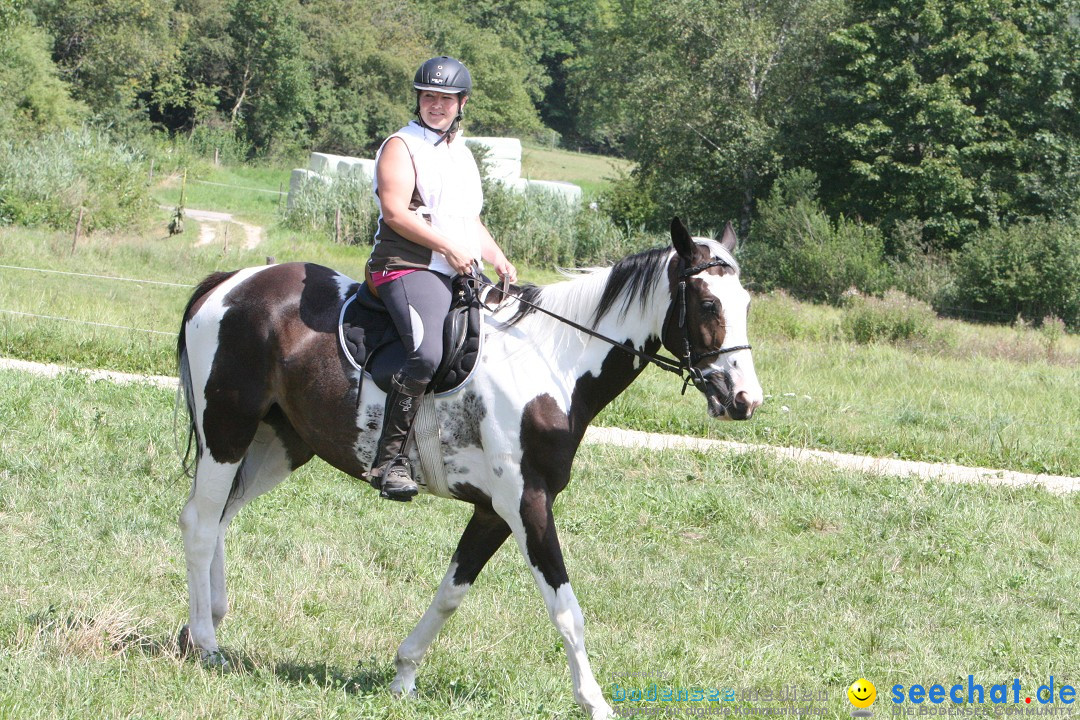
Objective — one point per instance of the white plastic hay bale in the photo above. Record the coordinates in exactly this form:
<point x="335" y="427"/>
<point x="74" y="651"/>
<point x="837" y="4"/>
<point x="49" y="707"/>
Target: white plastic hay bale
<point x="298" y="178"/>
<point x="325" y="163"/>
<point x="363" y="167"/>
<point x="498" y="148"/>
<point x="567" y="191"/>
<point x="503" y="169"/>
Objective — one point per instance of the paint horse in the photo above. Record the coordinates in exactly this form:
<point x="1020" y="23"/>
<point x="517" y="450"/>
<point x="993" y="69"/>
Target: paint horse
<point x="268" y="387"/>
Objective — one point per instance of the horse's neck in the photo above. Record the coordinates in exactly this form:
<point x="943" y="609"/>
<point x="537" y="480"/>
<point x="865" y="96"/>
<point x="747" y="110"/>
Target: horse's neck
<point x="577" y="300"/>
<point x="591" y="370"/>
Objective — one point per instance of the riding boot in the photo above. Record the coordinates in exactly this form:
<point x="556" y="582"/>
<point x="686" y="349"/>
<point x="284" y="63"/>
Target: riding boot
<point x="391" y="472"/>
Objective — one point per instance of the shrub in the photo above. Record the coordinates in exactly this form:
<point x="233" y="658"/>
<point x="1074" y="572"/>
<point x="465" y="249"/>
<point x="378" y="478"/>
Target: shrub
<point x="539" y="228"/>
<point x="316" y="203"/>
<point x="917" y="269"/>
<point x="777" y="314"/>
<point x="628" y="202"/>
<point x="47" y="181"/>
<point x="794" y="245"/>
<point x="1030" y="269"/>
<point x="892" y="318"/>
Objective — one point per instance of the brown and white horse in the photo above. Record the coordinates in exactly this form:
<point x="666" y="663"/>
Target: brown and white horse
<point x="268" y="387"/>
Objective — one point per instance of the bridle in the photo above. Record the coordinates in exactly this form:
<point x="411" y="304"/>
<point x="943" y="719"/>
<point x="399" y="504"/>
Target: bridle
<point x="684" y="366"/>
<point x="689" y="358"/>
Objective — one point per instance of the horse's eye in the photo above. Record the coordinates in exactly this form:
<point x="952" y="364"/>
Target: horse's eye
<point x="709" y="307"/>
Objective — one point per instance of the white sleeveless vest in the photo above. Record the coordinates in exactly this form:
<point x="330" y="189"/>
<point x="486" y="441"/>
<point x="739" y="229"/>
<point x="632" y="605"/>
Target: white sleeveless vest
<point x="448" y="187"/>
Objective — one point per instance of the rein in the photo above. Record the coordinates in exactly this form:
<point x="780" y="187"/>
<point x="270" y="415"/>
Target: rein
<point x="684" y="368"/>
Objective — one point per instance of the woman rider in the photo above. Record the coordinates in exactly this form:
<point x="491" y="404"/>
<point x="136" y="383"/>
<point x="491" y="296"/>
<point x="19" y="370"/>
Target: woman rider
<point x="427" y="187"/>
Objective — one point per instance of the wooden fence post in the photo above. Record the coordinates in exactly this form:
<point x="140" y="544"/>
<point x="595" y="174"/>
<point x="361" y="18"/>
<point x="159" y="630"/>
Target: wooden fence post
<point x="78" y="229"/>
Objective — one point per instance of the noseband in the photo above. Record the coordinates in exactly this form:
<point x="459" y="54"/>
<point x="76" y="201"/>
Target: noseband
<point x="684" y="368"/>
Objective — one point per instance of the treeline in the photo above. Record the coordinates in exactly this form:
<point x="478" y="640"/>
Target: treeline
<point x="914" y="144"/>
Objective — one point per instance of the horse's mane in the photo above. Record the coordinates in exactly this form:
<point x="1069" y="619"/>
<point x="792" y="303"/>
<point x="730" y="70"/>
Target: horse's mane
<point x="598" y="289"/>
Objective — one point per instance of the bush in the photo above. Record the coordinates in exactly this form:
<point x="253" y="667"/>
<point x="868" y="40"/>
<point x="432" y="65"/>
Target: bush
<point x="47" y="181"/>
<point x="794" y="245"/>
<point x="892" y="318"/>
<point x="316" y="203"/>
<point x="539" y="228"/>
<point x="778" y="315"/>
<point x="917" y="269"/>
<point x="218" y="137"/>
<point x="628" y="202"/>
<point x="1031" y="269"/>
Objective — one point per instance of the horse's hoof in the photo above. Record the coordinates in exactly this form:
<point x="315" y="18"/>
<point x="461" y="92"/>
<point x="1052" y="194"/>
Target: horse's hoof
<point x="184" y="643"/>
<point x="602" y="713"/>
<point x="399" y="691"/>
<point x="215" y="659"/>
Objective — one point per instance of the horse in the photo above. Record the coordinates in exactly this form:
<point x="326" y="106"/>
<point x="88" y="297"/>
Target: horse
<point x="267" y="387"/>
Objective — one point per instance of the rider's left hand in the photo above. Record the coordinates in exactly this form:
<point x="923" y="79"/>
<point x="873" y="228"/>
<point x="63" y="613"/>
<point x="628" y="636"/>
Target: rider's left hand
<point x="506" y="269"/>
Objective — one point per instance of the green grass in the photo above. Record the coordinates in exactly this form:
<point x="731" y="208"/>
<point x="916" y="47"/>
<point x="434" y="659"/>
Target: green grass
<point x="886" y="402"/>
<point x="591" y="172"/>
<point x="714" y="570"/>
<point x="249" y="192"/>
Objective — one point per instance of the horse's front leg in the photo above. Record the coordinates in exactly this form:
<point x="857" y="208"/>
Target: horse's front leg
<point x="485" y="533"/>
<point x="539" y="543"/>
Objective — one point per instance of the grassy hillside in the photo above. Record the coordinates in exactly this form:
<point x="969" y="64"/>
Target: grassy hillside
<point x="591" y="172"/>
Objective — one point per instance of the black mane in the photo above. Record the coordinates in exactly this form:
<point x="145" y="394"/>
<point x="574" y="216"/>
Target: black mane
<point x="632" y="277"/>
<point x="628" y="278"/>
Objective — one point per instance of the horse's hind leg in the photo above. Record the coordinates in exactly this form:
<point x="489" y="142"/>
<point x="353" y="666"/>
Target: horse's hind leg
<point x="274" y="453"/>
<point x="199" y="523"/>
<point x="484" y="534"/>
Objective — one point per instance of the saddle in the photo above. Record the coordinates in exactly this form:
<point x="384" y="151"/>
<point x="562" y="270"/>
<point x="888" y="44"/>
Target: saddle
<point x="371" y="342"/>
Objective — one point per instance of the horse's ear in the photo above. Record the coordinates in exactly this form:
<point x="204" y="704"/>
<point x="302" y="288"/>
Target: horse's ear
<point x="681" y="240"/>
<point x="729" y="240"/>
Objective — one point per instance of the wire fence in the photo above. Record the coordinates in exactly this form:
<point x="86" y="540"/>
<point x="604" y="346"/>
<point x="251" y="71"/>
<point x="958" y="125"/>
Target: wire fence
<point x="90" y="323"/>
<point x="98" y="277"/>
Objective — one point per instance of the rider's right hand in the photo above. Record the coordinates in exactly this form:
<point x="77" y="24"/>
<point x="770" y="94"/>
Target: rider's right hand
<point x="461" y="262"/>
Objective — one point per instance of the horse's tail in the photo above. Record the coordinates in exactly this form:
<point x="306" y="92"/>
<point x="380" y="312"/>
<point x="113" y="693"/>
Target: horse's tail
<point x="184" y="370"/>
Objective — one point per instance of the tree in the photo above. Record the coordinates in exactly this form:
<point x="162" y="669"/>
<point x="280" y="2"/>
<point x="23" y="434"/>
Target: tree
<point x="362" y="57"/>
<point x="701" y="88"/>
<point x="109" y="50"/>
<point x="497" y="41"/>
<point x="268" y="93"/>
<point x="33" y="99"/>
<point x="960" y="115"/>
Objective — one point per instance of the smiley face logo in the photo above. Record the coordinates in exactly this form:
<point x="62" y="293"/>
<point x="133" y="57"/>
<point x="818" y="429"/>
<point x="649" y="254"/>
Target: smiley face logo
<point x="862" y="693"/>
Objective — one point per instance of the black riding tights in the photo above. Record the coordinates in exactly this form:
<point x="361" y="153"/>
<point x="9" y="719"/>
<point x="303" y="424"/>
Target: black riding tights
<point x="418" y="303"/>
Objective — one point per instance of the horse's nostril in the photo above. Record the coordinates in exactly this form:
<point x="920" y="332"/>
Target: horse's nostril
<point x="744" y="404"/>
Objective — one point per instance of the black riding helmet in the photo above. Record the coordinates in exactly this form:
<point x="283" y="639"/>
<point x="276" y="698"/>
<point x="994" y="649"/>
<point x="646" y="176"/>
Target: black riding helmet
<point x="447" y="75"/>
<point x="444" y="74"/>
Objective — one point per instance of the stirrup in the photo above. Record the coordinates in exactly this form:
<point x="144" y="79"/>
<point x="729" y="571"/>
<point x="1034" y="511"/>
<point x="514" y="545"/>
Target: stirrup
<point x="394" y="480"/>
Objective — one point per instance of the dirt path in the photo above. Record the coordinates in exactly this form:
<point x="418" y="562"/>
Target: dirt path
<point x="213" y="224"/>
<point x="942" y="472"/>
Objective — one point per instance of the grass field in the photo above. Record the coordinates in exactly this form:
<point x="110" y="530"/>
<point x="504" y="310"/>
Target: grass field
<point x="591" y="172"/>
<point x="705" y="570"/>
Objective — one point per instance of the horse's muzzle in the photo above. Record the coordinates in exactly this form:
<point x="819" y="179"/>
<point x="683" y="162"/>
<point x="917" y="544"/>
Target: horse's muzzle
<point x="724" y="401"/>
